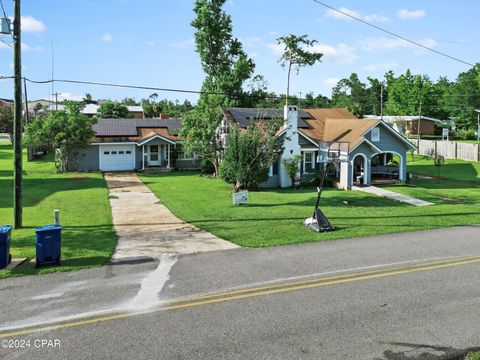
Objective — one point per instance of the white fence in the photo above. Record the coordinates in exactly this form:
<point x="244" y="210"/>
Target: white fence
<point x="449" y="149"/>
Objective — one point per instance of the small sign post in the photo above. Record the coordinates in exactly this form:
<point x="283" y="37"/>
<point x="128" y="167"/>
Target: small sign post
<point x="439" y="161"/>
<point x="240" y="197"/>
<point x="445" y="132"/>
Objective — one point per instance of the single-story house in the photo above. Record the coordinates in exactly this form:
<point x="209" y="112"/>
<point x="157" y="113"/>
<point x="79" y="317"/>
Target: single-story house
<point x="367" y="146"/>
<point x="135" y="144"/>
<point x="408" y="124"/>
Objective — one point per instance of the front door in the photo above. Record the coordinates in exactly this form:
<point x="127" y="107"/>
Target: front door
<point x="153" y="155"/>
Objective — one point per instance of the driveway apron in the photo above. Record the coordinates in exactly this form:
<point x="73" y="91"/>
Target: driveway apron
<point x="147" y="228"/>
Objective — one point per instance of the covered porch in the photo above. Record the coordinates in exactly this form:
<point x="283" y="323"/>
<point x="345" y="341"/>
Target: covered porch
<point x="386" y="168"/>
<point x="156" y="153"/>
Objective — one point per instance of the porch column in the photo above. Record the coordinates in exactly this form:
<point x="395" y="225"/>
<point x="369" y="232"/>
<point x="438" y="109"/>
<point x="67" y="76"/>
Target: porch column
<point x="143" y="157"/>
<point x="168" y="156"/>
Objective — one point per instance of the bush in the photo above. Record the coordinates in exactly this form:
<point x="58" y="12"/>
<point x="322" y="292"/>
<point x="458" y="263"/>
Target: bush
<point x="465" y="135"/>
<point x="473" y="356"/>
<point x="207" y="167"/>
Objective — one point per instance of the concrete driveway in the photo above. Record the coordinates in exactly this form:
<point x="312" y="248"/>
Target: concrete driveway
<point x="146" y="228"/>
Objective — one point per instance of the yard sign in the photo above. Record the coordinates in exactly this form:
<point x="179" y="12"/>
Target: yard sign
<point x="240" y="197"/>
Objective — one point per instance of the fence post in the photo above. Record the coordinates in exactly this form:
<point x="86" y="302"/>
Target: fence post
<point x="435" y="144"/>
<point x="456" y="150"/>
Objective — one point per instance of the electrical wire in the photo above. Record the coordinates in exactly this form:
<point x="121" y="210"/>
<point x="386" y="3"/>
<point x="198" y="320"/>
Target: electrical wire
<point x="394" y="34"/>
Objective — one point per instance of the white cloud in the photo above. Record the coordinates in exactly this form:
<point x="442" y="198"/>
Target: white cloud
<point x="106" y="37"/>
<point x="331" y="82"/>
<point x="252" y="41"/>
<point x="383" y="43"/>
<point x="277" y="49"/>
<point x="150" y="43"/>
<point x="376" y="18"/>
<point x="69" y="96"/>
<point x="273" y="33"/>
<point x="183" y="44"/>
<point x="340" y="54"/>
<point x="30" y="24"/>
<point x="355" y="13"/>
<point x="26" y="47"/>
<point x="405" y="14"/>
<point x="380" y="67"/>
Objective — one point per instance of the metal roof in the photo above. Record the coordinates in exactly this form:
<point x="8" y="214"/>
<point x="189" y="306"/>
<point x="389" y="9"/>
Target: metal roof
<point x="129" y="127"/>
<point x="243" y="115"/>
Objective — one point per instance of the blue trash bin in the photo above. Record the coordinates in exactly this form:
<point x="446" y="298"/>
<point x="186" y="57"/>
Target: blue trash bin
<point x="48" y="244"/>
<point x="5" y="236"/>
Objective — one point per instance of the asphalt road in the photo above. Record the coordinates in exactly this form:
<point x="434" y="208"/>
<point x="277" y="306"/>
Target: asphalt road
<point x="401" y="296"/>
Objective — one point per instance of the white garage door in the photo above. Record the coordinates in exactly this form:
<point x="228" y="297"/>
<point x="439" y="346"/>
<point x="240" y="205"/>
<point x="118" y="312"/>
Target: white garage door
<point x="117" y="157"/>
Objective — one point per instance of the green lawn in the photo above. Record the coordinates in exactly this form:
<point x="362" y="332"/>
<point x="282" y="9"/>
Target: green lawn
<point x="274" y="217"/>
<point x="452" y="169"/>
<point x="88" y="238"/>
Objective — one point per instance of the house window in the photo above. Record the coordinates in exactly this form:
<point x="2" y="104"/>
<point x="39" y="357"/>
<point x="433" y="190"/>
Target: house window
<point x="308" y="162"/>
<point x="376" y="134"/>
<point x="106" y="152"/>
<point x="120" y="153"/>
<point x="181" y="155"/>
<point x="114" y="153"/>
<point x="128" y="152"/>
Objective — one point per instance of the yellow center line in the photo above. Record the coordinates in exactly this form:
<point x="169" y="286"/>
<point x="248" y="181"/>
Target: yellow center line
<point x="285" y="284"/>
<point x="259" y="292"/>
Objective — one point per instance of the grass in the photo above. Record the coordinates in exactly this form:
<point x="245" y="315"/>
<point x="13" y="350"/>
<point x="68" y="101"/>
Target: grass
<point x="473" y="356"/>
<point x="452" y="169"/>
<point x="274" y="217"/>
<point x="88" y="238"/>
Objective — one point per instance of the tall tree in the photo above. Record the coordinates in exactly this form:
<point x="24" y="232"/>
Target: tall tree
<point x="65" y="130"/>
<point x="113" y="109"/>
<point x="296" y="55"/>
<point x="226" y="67"/>
<point x="250" y="153"/>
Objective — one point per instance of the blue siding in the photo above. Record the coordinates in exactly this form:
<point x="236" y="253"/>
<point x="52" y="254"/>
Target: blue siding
<point x="88" y="158"/>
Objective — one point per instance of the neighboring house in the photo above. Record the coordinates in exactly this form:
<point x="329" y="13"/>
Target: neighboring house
<point x="6" y="102"/>
<point x="91" y="110"/>
<point x="135" y="144"/>
<point x="371" y="144"/>
<point x="408" y="125"/>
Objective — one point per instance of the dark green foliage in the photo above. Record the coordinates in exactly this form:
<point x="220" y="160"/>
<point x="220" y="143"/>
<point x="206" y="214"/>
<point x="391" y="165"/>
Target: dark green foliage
<point x="65" y="130"/>
<point x="6" y="120"/>
<point x="226" y="67"/>
<point x="292" y="165"/>
<point x="296" y="54"/>
<point x="113" y="109"/>
<point x="250" y="153"/>
<point x="153" y="108"/>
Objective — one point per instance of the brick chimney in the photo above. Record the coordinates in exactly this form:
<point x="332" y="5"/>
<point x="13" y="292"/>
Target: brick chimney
<point x="164" y="116"/>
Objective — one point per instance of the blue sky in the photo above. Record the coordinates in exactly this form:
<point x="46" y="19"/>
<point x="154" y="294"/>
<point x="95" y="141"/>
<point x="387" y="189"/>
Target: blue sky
<point x="150" y="42"/>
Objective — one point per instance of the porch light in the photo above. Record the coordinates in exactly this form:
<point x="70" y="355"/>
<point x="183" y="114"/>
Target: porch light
<point x="6" y="26"/>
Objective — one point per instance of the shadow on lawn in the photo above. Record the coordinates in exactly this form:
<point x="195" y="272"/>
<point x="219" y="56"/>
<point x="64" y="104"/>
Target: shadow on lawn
<point x="37" y="189"/>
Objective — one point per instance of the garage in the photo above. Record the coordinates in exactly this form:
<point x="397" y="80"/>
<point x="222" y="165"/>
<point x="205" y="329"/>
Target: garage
<point x="117" y="157"/>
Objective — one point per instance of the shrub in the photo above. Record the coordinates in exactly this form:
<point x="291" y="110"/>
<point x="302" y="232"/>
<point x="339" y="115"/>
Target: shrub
<point x="466" y="134"/>
<point x="473" y="356"/>
<point x="207" y="167"/>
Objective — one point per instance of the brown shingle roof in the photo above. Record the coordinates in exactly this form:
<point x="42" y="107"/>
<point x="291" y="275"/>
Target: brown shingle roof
<point x="336" y="125"/>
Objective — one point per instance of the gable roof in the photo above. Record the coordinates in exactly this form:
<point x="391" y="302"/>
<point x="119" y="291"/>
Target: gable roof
<point x="138" y="130"/>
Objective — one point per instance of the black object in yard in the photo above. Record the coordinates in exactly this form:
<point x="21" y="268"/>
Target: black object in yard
<point x="320" y="222"/>
<point x="439" y="161"/>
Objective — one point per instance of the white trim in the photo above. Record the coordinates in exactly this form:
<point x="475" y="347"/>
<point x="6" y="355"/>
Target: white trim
<point x="143" y="157"/>
<point x="306" y="137"/>
<point x="312" y="166"/>
<point x="155" y="137"/>
<point x="366" y="168"/>
<point x="369" y="143"/>
<point x="270" y="171"/>
<point x="396" y="133"/>
<point x="309" y="149"/>
<point x="402" y="167"/>
<point x="101" y="150"/>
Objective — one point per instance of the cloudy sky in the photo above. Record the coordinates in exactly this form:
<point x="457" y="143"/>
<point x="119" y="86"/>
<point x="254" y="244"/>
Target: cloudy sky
<point x="150" y="42"/>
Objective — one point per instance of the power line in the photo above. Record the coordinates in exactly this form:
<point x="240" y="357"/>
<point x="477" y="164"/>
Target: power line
<point x="141" y="87"/>
<point x="394" y="34"/>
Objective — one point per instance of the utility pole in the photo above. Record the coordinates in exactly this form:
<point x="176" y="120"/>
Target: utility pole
<point x="418" y="127"/>
<point x="17" y="120"/>
<point x="381" y="100"/>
